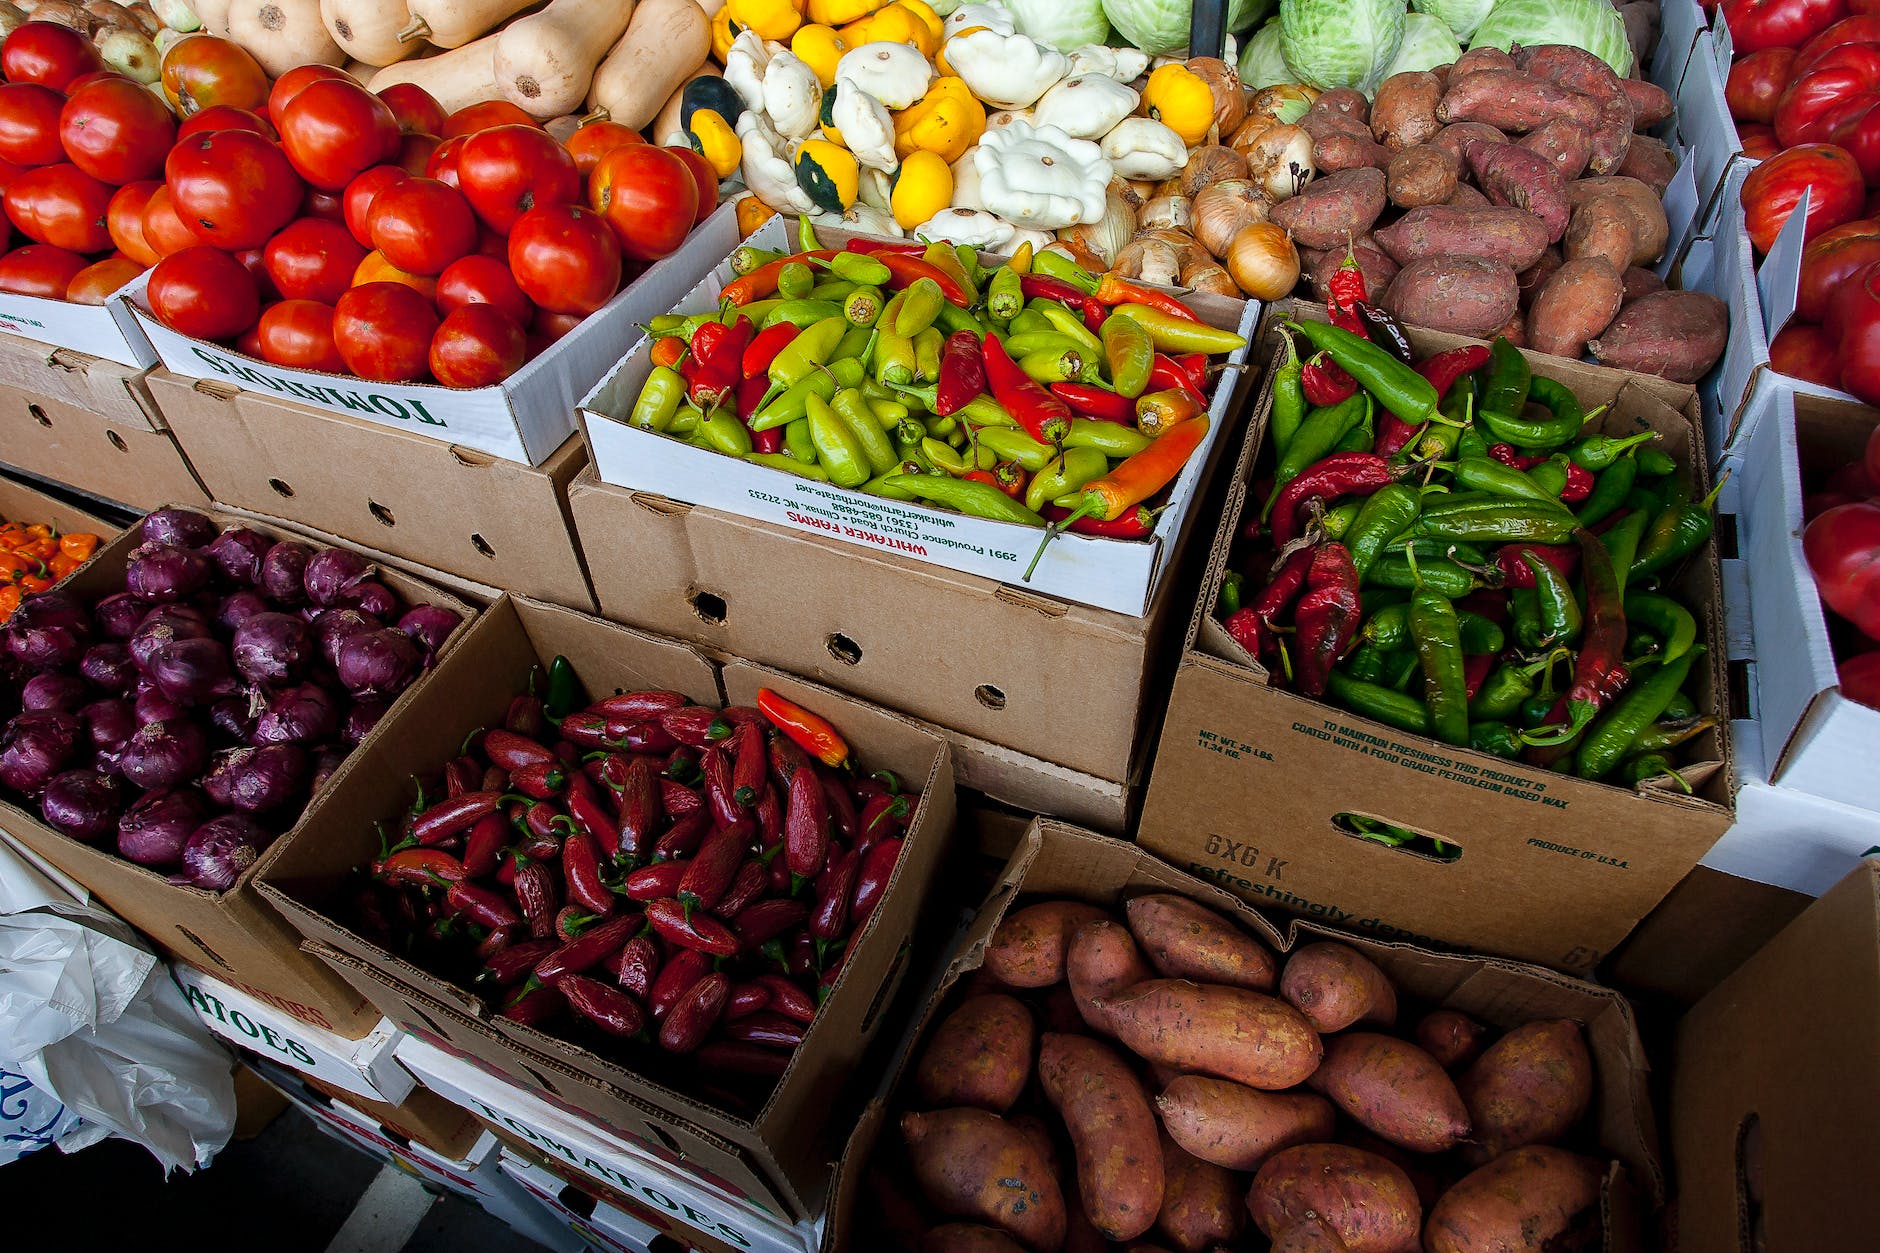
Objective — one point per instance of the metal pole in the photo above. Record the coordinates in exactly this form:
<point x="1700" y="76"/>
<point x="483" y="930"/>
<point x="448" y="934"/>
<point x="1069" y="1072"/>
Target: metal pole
<point x="1207" y="30"/>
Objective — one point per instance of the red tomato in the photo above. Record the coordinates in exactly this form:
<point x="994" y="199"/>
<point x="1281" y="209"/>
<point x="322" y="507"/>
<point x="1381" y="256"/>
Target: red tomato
<point x="442" y="165"/>
<point x="703" y="176"/>
<point x="481" y="280"/>
<point x="1843" y="551"/>
<point x="477" y="346"/>
<point x="92" y="284"/>
<point x="593" y="140"/>
<point x="234" y="189"/>
<point x="384" y="332"/>
<point x="422" y="225"/>
<point x="508" y="170"/>
<point x="549" y="327"/>
<point x="1853" y="479"/>
<point x="164" y="231"/>
<point x="414" y="152"/>
<point x="116" y="131"/>
<point x="203" y="293"/>
<point x="29" y="124"/>
<point x="376" y="269"/>
<point x="9" y="172"/>
<point x="224" y="117"/>
<point x="492" y="244"/>
<point x="256" y="263"/>
<point x="1826" y="264"/>
<point x="1851" y="30"/>
<point x="481" y="117"/>
<point x="1849" y="230"/>
<point x="1871" y="461"/>
<point x="61" y="205"/>
<point x="1758" y="24"/>
<point x="1803" y="350"/>
<point x="1844" y="300"/>
<point x="96" y="76"/>
<point x="40" y="270"/>
<point x="334" y="129"/>
<point x="1772" y="189"/>
<point x="1756" y="82"/>
<point x="248" y="343"/>
<point x="297" y="80"/>
<point x="1858" y="316"/>
<point x="323" y="205"/>
<point x="313" y="259"/>
<point x="205" y="70"/>
<point x="565" y="258"/>
<point x="1859" y="133"/>
<point x="416" y="109"/>
<point x="48" y="54"/>
<point x="124" y="221"/>
<point x="1859" y="677"/>
<point x="1812" y="105"/>
<point x="1817" y="503"/>
<point x="299" y="335"/>
<point x="647" y="195"/>
<point x="1759" y="141"/>
<point x="359" y="195"/>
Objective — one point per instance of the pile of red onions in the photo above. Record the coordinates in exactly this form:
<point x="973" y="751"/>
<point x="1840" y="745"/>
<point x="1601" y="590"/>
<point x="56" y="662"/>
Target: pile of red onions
<point x="191" y="716"/>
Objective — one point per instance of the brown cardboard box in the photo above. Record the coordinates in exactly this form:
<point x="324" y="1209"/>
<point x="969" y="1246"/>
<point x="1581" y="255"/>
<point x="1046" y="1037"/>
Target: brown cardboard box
<point x="1709" y="925"/>
<point x="779" y="1157"/>
<point x="89" y="423"/>
<point x="22" y="502"/>
<point x="423" y="1117"/>
<point x="232" y="934"/>
<point x="581" y="1194"/>
<point x="1775" y="1108"/>
<point x="1251" y="781"/>
<point x="448" y="507"/>
<point x="1058" y="860"/>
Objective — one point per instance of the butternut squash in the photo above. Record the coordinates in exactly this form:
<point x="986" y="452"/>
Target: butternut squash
<point x="367" y="30"/>
<point x="664" y="45"/>
<point x="454" y="23"/>
<point x="671" y="121"/>
<point x="281" y="34"/>
<point x="546" y="61"/>
<point x="462" y="76"/>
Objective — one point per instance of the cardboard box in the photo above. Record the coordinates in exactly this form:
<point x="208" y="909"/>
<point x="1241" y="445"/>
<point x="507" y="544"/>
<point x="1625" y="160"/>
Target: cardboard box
<point x="780" y="1156"/>
<point x="1702" y="129"/>
<point x="1720" y="262"/>
<point x="106" y="331"/>
<point x="524" y="418"/>
<point x="500" y="522"/>
<point x="594" y="1222"/>
<point x="1775" y="1111"/>
<point x="1118" y="575"/>
<point x="22" y="502"/>
<point x="233" y="933"/>
<point x="1709" y="925"/>
<point x="1058" y="860"/>
<point x="1679" y="23"/>
<point x="1251" y="781"/>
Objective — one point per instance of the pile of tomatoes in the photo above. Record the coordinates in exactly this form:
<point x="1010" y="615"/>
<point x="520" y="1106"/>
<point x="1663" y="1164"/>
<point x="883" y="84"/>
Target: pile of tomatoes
<point x="1842" y="545"/>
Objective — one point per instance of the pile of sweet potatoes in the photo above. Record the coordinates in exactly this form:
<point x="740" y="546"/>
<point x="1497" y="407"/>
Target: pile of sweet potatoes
<point x="1155" y="1079"/>
<point x="1508" y="195"/>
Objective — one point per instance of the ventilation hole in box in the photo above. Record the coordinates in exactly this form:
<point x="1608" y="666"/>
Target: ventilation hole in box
<point x="664" y="1244"/>
<point x="1749" y="1180"/>
<point x="117" y="441"/>
<point x="665" y="1139"/>
<point x="1402" y="839"/>
<point x="39" y="415"/>
<point x="208" y="952"/>
<point x="542" y="1082"/>
<point x="280" y="488"/>
<point x="709" y="608"/>
<point x="424" y="1018"/>
<point x="380" y="512"/>
<point x="885" y="993"/>
<point x="989" y="696"/>
<point x="576" y="1201"/>
<point x="844" y="649"/>
<point x="1737" y="673"/>
<point x="402" y="1142"/>
<point x="481" y="545"/>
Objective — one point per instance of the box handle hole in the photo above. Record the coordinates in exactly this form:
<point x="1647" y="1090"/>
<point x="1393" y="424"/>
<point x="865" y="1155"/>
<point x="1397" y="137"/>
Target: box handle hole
<point x="1749" y="1180"/>
<point x="576" y="1201"/>
<point x="39" y="415"/>
<point x="1402" y="839"/>
<point x="380" y="512"/>
<point x="542" y="1081"/>
<point x="989" y="696"/>
<point x="280" y="488"/>
<point x="885" y="993"/>
<point x="844" y="649"/>
<point x="117" y="441"/>
<point x="208" y="952"/>
<point x="424" y="1018"/>
<point x="709" y="608"/>
<point x="665" y="1139"/>
<point x="481" y="545"/>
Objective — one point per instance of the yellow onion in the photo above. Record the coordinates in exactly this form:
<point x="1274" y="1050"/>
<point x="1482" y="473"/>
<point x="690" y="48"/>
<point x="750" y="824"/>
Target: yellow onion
<point x="1210" y="164"/>
<point x="1129" y="193"/>
<point x="1143" y="188"/>
<point x="1263" y="262"/>
<point x="1224" y="210"/>
<point x="1283" y="102"/>
<point x="1280" y="162"/>
<point x="1150" y="260"/>
<point x="1209" y="277"/>
<point x="1105" y="237"/>
<point x="1173" y="212"/>
<point x="1230" y="106"/>
<point x="1187" y="251"/>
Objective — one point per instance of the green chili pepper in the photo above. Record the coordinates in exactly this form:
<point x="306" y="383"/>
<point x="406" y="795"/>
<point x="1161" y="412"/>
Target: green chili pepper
<point x="794" y="280"/>
<point x="1488" y="519"/>
<point x="1655" y="463"/>
<point x="665" y="323"/>
<point x="1438" y="550"/>
<point x="836" y="289"/>
<point x="725" y="433"/>
<point x="970" y="269"/>
<point x="1017" y="346"/>
<point x="1612" y="733"/>
<point x="1505" y="394"/>
<point x="887" y="412"/>
<point x="1380" y="703"/>
<point x="1669" y="732"/>
<point x="810" y="349"/>
<point x="1365" y="664"/>
<point x="1559" y="610"/>
<point x="1129" y="355"/>
<point x="941" y="455"/>
<point x="1062" y="268"/>
<point x="1601" y="452"/>
<point x="1065" y="476"/>
<point x="1338" y="521"/>
<point x="1395" y="385"/>
<point x="877" y="449"/>
<point x="895" y="362"/>
<point x="1497" y="739"/>
<point x="1111" y="438"/>
<point x="789" y="465"/>
<point x="1621" y="540"/>
<point x="1015" y="445"/>
<point x="1535" y="710"/>
<point x="837" y="449"/>
<point x="806" y="240"/>
<point x="1609" y="492"/>
<point x="1051" y="366"/>
<point x="1436" y="636"/>
<point x="1480" y="636"/>
<point x="1501" y="695"/>
<point x="1547" y="433"/>
<point x="1317" y="436"/>
<point x="1681" y="707"/>
<point x="660" y="397"/>
<point x="1672" y="622"/>
<point x="920" y="305"/>
<point x="1676" y="533"/>
<point x="1289" y="398"/>
<point x="1441" y="576"/>
<point x="1383" y="516"/>
<point x="980" y="500"/>
<point x="953" y="318"/>
<point x="1232" y="584"/>
<point x="1004" y="299"/>
<point x="927" y="347"/>
<point x="1524" y="613"/>
<point x="804" y="313"/>
<point x="1360" y="438"/>
<point x="564" y="689"/>
<point x="1550" y="476"/>
<point x="1399" y="669"/>
<point x="797" y="442"/>
<point x="1470" y="446"/>
<point x="794" y="402"/>
<point x="860" y="268"/>
<point x="1645" y="766"/>
<point x="854" y="343"/>
<point x="1388" y="628"/>
<point x="1481" y="474"/>
<point x="685" y="422"/>
<point x="877" y="486"/>
<point x="863" y="305"/>
<point x="745" y="258"/>
<point x="1072" y="327"/>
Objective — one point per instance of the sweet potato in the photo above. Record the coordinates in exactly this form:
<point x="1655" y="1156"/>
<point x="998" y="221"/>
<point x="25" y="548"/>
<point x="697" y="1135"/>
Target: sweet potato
<point x="1324" y="124"/>
<point x="1119" y="1153"/>
<point x="1514" y="237"/>
<point x="1530" y="281"/>
<point x="979" y="1055"/>
<point x="1366" y="1200"/>
<point x="1577" y="303"/>
<point x="1103" y="960"/>
<point x="1518" y="1203"/>
<point x="1467" y="196"/>
<point x="1404" y="113"/>
<point x="1079" y="1235"/>
<point x="1042" y="1138"/>
<point x="1651" y="162"/>
<point x="1308" y="1236"/>
<point x="1202" y="1204"/>
<point x="1027" y="949"/>
<point x="1464" y="295"/>
<point x="1454" y="1039"/>
<point x="1511" y="175"/>
<point x="1238" y="1127"/>
<point x="968" y="1238"/>
<point x="1529" y="1087"/>
<point x="1640" y="282"/>
<point x="1186" y="940"/>
<point x="1482" y="58"/>
<point x="1347" y="202"/>
<point x="1605" y="229"/>
<point x="1651" y="104"/>
<point x="1393" y="1089"/>
<point x="1653" y="231"/>
<point x="1514" y="330"/>
<point x="1580" y="71"/>
<point x="1677" y="335"/>
<point x="1348" y="152"/>
<point x="1231" y="1032"/>
<point x="1334" y="986"/>
<point x="1421" y="175"/>
<point x="973" y="1164"/>
<point x="1564" y="143"/>
<point x="1643" y="20"/>
<point x="1348" y="101"/>
<point x="1457" y="136"/>
<point x="1378" y="270"/>
<point x="1511" y="100"/>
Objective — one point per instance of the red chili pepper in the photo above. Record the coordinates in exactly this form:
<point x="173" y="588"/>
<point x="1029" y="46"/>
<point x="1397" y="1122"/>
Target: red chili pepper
<point x="829" y="916"/>
<point x="806" y="825"/>
<point x="786" y="758"/>
<point x="1043" y="416"/>
<point x="694" y="1014"/>
<point x="962" y="373"/>
<point x="535" y="1006"/>
<point x="701" y="931"/>
<point x="674" y="979"/>
<point x="640" y="810"/>
<point x="515" y="963"/>
<point x="539" y="897"/>
<point x="708" y="876"/>
<point x="453" y="817"/>
<point x="1165" y="373"/>
<point x="767" y="919"/>
<point x="1326" y="382"/>
<point x="1393" y="433"/>
<point x="642" y="704"/>
<point x="1327" y="616"/>
<point x="1196" y="366"/>
<point x="1443" y="369"/>
<point x="842" y="816"/>
<point x="716" y="766"/>
<point x="1508" y="456"/>
<point x="1094" y="314"/>
<point x="545" y="825"/>
<point x="581" y="869"/>
<point x="1251" y="625"/>
<point x="1044" y="287"/>
<point x="811" y="733"/>
<point x="588" y="949"/>
<point x="634" y="965"/>
<point x="498" y="939"/>
<point x="610" y="1009"/>
<point x="769" y="814"/>
<point x="788" y="998"/>
<point x="682" y="838"/>
<point x="1114" y="290"/>
<point x="584" y="730"/>
<point x="419" y="867"/>
<point x="1514" y="572"/>
<point x="750" y="396"/>
<point x="717" y="361"/>
<point x="651" y="883"/>
<point x="1341" y="474"/>
<point x="462" y="775"/>
<point x="1475" y="668"/>
<point x="512" y="752"/>
<point x="746" y="886"/>
<point x="746" y="999"/>
<point x="1007" y="476"/>
<point x="875" y="247"/>
<point x="882" y="817"/>
<point x="762" y="281"/>
<point x="1347" y="291"/>
<point x="764" y="1027"/>
<point x="1599" y="673"/>
<point x="1091" y="401"/>
<point x="904" y="270"/>
<point x="1137" y="523"/>
<point x="695" y="726"/>
<point x="678" y="798"/>
<point x="871" y="882"/>
<point x="481" y="906"/>
<point x="539" y="779"/>
<point x="763" y="349"/>
<point x="572" y="920"/>
<point x="1579" y="484"/>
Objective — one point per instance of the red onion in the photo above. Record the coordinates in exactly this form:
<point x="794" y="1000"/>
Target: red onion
<point x="82" y="804"/>
<point x="302" y="714"/>
<point x="220" y="850"/>
<point x="239" y="553"/>
<point x="109" y="721"/>
<point x="255" y="780"/>
<point x="325" y="766"/>
<point x="153" y="706"/>
<point x="164" y="573"/>
<point x="191" y="672"/>
<point x="37" y="745"/>
<point x="48" y="631"/>
<point x="335" y="626"/>
<point x="164" y="625"/>
<point x="185" y="528"/>
<point x="109" y="668"/>
<point x="118" y="614"/>
<point x="376" y="599"/>
<point x="273" y="648"/>
<point x="283" y="572"/>
<point x="239" y="607"/>
<point x="361" y="718"/>
<point x="378" y="663"/>
<point x="164" y="754"/>
<point x="333" y="572"/>
<point x="63" y="692"/>
<point x="233" y="719"/>
<point x="430" y="625"/>
<point x="153" y="831"/>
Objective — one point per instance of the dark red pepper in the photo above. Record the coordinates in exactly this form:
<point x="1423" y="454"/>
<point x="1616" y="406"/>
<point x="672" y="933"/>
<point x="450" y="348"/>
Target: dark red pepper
<point x="877" y="247"/>
<point x="1327" y="617"/>
<point x="871" y="881"/>
<point x="585" y="730"/>
<point x="1579" y="486"/>
<point x="1137" y="523"/>
<point x="746" y="886"/>
<point x="1251" y="625"/>
<point x="679" y="800"/>
<point x="535" y="1006"/>
<point x="419" y="867"/>
<point x="806" y="825"/>
<point x="539" y="897"/>
<point x="646" y="703"/>
<point x="675" y="978"/>
<point x="1090" y="401"/>
<point x="651" y="883"/>
<point x="526" y="717"/>
<point x="482" y="906"/>
<point x="701" y="931"/>
<point x="1599" y="671"/>
<point x="787" y="998"/>
<point x="453" y="816"/>
<point x="640" y="810"/>
<point x="843" y="819"/>
<point x="1341" y="474"/>
<point x="634" y="965"/>
<point x="716" y="767"/>
<point x="581" y="871"/>
<point x="746" y="999"/>
<point x="715" y="364"/>
<point x="764" y="1027"/>
<point x="1326" y="382"/>
<point x="610" y="1009"/>
<point x="1443" y="369"/>
<point x="1165" y="374"/>
<point x="708" y="876"/>
<point x="747" y="765"/>
<point x="962" y="373"/>
<point x="694" y="1014"/>
<point x="539" y="779"/>
<point x="1475" y="668"/>
<point x="1041" y="415"/>
<point x="748" y="399"/>
<point x="786" y="758"/>
<point x="769" y="814"/>
<point x="1514" y="572"/>
<point x="683" y="837"/>
<point x="763" y="349"/>
<point x="835" y="887"/>
<point x="695" y="725"/>
<point x="588" y="949"/>
<point x="767" y="919"/>
<point x="514" y="964"/>
<point x="512" y="751"/>
<point x="1512" y="458"/>
<point x="465" y="774"/>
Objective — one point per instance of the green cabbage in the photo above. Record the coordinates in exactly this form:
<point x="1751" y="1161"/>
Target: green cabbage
<point x="1341" y="43"/>
<point x="1590" y="24"/>
<point x="1427" y="43"/>
<point x="1061" y="24"/>
<point x="1460" y="16"/>
<point x="1160" y="27"/>
<point x="1262" y="64"/>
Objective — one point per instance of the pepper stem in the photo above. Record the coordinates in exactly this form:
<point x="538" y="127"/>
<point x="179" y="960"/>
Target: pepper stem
<point x="1056" y="529"/>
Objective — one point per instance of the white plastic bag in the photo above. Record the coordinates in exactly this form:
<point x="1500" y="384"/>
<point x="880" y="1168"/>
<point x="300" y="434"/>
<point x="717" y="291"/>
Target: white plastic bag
<point x="92" y="1019"/>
